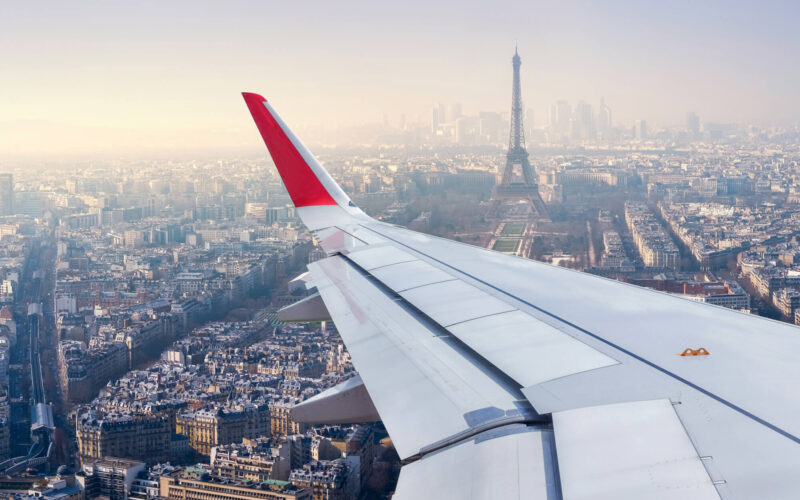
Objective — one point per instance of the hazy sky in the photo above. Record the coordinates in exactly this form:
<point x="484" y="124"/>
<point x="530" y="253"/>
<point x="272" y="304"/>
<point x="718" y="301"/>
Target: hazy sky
<point x="91" y="77"/>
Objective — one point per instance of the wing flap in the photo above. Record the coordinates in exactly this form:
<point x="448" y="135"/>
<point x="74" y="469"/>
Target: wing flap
<point x="452" y="302"/>
<point x="628" y="451"/>
<point x="528" y="350"/>
<point x="516" y="462"/>
<point x="620" y="383"/>
<point x="377" y="256"/>
<point x="512" y="463"/>
<point x="406" y="275"/>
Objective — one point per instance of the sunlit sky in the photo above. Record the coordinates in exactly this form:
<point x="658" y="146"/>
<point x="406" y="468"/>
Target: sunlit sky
<point x="107" y="77"/>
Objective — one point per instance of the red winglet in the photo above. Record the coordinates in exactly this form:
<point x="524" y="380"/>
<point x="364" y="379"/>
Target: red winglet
<point x="303" y="185"/>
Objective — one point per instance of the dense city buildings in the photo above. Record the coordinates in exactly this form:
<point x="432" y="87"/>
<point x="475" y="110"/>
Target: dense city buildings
<point x="652" y="241"/>
<point x="209" y="428"/>
<point x="192" y="484"/>
<point x="158" y="291"/>
<point x="254" y="459"/>
<point x="6" y="195"/>
<point x="110" y="477"/>
<point x="63" y="485"/>
<point x="142" y="437"/>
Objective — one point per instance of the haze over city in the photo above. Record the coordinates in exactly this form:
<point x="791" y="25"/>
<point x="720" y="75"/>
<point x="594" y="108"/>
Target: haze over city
<point x="112" y="78"/>
<point x="531" y="251"/>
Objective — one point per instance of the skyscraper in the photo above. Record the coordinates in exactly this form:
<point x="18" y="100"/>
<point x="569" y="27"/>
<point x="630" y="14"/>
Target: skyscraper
<point x="6" y="194"/>
<point x="604" y="120"/>
<point x="455" y="112"/>
<point x="585" y="118"/>
<point x="465" y="128"/>
<point x="693" y="124"/>
<point x="438" y="117"/>
<point x="563" y="116"/>
<point x="490" y="127"/>
<point x="640" y="130"/>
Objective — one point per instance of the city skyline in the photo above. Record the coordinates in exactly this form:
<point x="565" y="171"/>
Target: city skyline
<point x="463" y="250"/>
<point x="180" y="327"/>
<point x="101" y="79"/>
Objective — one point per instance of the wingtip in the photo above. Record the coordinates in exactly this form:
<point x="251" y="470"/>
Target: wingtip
<point x="303" y="183"/>
<point x="248" y="96"/>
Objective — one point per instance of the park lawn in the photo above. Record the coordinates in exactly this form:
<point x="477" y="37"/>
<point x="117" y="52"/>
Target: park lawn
<point x="513" y="229"/>
<point x="510" y="245"/>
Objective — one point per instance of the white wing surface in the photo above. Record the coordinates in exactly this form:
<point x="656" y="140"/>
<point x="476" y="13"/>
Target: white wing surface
<point x="501" y="377"/>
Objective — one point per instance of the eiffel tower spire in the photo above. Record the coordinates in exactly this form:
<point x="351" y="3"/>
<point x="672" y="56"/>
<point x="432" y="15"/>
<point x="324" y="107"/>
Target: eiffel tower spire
<point x="511" y="186"/>
<point x="517" y="154"/>
<point x="517" y="136"/>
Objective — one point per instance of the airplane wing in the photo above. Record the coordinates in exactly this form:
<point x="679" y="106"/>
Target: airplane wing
<point x="502" y="377"/>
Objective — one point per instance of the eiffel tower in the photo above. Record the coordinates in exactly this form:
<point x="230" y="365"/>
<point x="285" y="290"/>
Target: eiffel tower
<point x="515" y="186"/>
